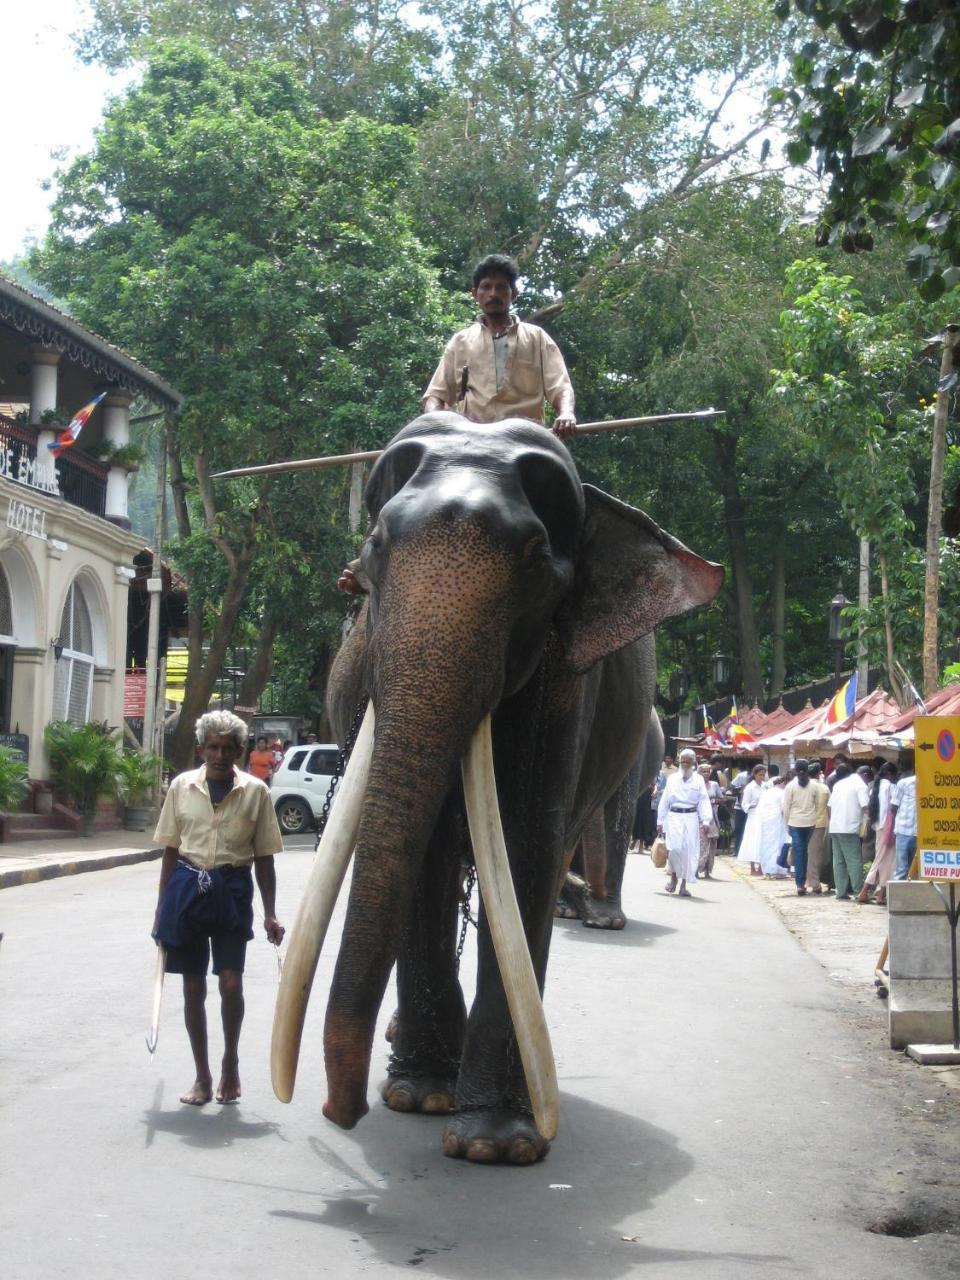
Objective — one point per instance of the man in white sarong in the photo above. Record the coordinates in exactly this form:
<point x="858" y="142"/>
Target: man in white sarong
<point x="684" y="809"/>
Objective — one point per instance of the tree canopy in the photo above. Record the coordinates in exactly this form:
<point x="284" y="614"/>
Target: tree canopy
<point x="290" y="242"/>
<point x="258" y="256"/>
<point x="879" y="107"/>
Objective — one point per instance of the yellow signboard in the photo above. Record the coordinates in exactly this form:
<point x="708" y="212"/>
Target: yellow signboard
<point x="938" y="796"/>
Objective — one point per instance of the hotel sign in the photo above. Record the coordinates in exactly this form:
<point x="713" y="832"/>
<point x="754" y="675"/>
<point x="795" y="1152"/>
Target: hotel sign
<point x="26" y="519"/>
<point x="22" y="466"/>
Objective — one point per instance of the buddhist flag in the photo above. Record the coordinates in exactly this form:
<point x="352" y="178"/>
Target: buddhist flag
<point x="68" y="436"/>
<point x="711" y="737"/>
<point x="738" y="735"/>
<point x="841" y="708"/>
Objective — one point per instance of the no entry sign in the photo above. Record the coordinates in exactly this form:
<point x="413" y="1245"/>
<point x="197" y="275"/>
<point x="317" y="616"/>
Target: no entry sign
<point x="938" y="796"/>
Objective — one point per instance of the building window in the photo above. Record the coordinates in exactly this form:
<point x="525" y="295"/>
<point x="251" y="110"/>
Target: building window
<point x="73" y="679"/>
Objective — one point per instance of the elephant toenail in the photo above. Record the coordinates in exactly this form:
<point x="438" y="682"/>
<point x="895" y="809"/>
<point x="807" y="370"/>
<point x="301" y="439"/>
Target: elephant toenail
<point x="437" y="1104"/>
<point x="523" y="1151"/>
<point x="452" y="1146"/>
<point x="482" y="1151"/>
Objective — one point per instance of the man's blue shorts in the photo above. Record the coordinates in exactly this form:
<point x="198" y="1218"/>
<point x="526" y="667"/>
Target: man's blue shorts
<point x="199" y="916"/>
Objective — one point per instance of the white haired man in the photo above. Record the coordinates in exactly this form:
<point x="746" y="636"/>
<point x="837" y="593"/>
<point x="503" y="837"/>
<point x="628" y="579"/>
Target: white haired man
<point x="215" y="824"/>
<point x="683" y="811"/>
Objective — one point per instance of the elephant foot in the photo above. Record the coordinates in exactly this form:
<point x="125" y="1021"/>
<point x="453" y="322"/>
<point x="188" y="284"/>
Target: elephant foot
<point x="572" y="899"/>
<point x="392" y="1025"/>
<point x="494" y="1137"/>
<point x="426" y="1095"/>
<point x="602" y="914"/>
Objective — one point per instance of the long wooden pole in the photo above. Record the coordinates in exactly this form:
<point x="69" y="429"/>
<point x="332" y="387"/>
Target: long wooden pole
<point x="346" y="459"/>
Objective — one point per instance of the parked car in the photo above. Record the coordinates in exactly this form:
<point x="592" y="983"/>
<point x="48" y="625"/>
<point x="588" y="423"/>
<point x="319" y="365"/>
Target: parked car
<point x="301" y="784"/>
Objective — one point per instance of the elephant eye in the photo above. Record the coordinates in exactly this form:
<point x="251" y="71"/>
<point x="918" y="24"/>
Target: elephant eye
<point x="552" y="495"/>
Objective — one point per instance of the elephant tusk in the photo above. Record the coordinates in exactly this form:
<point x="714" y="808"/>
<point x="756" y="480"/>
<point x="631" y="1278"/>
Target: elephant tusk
<point x="506" y="929"/>
<point x="315" y="911"/>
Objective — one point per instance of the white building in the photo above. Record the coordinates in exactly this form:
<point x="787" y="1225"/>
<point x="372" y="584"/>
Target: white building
<point x="66" y="551"/>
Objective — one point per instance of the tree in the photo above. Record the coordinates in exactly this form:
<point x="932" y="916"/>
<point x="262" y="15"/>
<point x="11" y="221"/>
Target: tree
<point x="259" y="257"/>
<point x="359" y="57"/>
<point x="879" y="106"/>
<point x="691" y="321"/>
<point x="850" y="375"/>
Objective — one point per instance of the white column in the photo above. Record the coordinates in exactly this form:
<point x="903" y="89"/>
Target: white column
<point x="116" y="430"/>
<point x="43" y="399"/>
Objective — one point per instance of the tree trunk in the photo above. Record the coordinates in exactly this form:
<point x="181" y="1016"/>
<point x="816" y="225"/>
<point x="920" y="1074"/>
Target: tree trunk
<point x="894" y="683"/>
<point x="931" y="585"/>
<point x="259" y="670"/>
<point x="863" y="601"/>
<point x="778" y="594"/>
<point x="202" y="676"/>
<point x="734" y="517"/>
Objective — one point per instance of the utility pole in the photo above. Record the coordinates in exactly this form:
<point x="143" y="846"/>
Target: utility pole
<point x="863" y="600"/>
<point x="931" y="586"/>
<point x="155" y="588"/>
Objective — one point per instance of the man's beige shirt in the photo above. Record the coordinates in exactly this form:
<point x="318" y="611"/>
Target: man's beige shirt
<point x="534" y="372"/>
<point x="243" y="827"/>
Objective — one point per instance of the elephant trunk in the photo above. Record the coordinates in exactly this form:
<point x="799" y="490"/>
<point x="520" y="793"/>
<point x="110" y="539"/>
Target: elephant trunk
<point x="436" y="656"/>
<point x="404" y="796"/>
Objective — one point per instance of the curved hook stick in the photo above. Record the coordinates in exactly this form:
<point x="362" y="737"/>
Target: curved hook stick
<point x="506" y="930"/>
<point x="315" y="911"/>
<point x="347" y="459"/>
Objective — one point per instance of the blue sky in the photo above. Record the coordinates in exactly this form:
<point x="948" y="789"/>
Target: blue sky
<point x="53" y="102"/>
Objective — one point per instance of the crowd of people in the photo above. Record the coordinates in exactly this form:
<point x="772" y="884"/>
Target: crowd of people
<point x="846" y="830"/>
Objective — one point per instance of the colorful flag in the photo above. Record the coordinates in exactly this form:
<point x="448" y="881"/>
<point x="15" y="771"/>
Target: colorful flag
<point x="68" y="436"/>
<point x="841" y="708"/>
<point x="711" y="738"/>
<point x="737" y="734"/>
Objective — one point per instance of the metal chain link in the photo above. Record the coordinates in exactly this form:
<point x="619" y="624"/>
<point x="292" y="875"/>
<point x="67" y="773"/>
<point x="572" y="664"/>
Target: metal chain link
<point x="468" y="919"/>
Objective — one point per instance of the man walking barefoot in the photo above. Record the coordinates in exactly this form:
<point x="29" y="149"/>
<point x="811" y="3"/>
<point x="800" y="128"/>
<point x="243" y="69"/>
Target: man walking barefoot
<point x="215" y="824"/>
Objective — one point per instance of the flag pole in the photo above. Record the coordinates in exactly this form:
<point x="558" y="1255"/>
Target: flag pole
<point x="370" y="455"/>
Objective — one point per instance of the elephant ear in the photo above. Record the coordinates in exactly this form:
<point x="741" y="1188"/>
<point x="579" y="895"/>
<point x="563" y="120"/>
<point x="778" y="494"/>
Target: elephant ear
<point x="629" y="576"/>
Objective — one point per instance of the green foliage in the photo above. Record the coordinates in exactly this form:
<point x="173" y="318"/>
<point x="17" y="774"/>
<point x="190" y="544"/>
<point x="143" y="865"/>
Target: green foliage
<point x="879" y="106"/>
<point x="84" y="762"/>
<point x="14" y="784"/>
<point x="260" y="257"/>
<point x="361" y="57"/>
<point x="852" y="380"/>
<point x="137" y="772"/>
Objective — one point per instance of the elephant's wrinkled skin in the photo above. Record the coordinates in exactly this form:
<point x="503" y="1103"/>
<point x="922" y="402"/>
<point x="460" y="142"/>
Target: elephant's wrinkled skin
<point x="497" y="584"/>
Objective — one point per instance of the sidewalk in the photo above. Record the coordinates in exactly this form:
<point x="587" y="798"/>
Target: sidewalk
<point x="68" y="855"/>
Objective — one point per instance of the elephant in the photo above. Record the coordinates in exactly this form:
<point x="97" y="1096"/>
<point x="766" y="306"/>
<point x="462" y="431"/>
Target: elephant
<point x="505" y="640"/>
<point x="592" y="888"/>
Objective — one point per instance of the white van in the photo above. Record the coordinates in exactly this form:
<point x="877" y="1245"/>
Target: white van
<point x="301" y="784"/>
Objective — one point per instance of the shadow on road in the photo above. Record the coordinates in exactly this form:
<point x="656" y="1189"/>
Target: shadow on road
<point x="456" y="1220"/>
<point x="210" y="1126"/>
<point x="636" y="933"/>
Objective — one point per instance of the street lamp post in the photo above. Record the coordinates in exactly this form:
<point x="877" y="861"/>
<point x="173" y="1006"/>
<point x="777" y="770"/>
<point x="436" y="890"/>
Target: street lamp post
<point x="835" y="628"/>
<point x="679" y="684"/>
<point x="720" y="665"/>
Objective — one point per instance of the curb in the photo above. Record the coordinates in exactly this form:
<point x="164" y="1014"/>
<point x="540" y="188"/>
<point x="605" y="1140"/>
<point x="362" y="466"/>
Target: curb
<point x="52" y="870"/>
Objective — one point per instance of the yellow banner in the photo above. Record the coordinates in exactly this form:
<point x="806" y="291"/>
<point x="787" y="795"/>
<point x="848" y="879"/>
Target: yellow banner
<point x="176" y="674"/>
<point x="938" y="796"/>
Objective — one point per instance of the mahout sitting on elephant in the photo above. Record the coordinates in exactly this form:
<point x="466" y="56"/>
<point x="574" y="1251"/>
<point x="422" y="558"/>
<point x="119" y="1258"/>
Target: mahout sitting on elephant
<point x="510" y="608"/>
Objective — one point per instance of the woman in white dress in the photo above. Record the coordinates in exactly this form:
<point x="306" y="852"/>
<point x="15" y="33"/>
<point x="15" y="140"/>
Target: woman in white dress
<point x="749" y="845"/>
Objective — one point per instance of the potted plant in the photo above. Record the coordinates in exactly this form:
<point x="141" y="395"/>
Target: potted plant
<point x="84" y="762"/>
<point x="136" y="776"/>
<point x="14" y="783"/>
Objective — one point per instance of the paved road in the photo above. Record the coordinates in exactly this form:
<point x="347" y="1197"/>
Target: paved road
<point x="723" y="1115"/>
